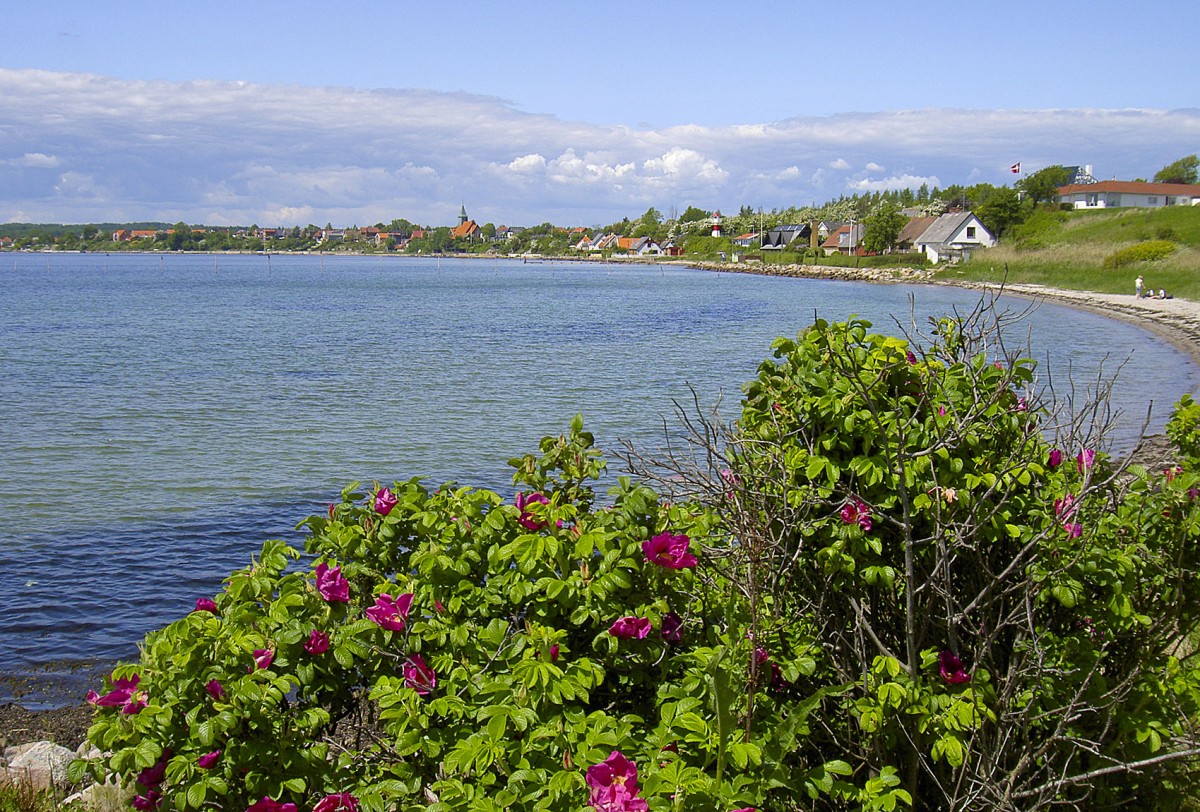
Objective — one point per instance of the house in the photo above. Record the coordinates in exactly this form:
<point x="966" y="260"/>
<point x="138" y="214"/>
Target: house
<point x="605" y="242"/>
<point x="844" y="240"/>
<point x="785" y="235"/>
<point x="824" y="228"/>
<point x="467" y="230"/>
<point x="672" y="249"/>
<point x="1113" y="194"/>
<point x="745" y="240"/>
<point x="642" y="246"/>
<point x="906" y="240"/>
<point x="953" y="236"/>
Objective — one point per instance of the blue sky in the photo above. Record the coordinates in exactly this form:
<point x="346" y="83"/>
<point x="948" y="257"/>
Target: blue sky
<point x="358" y="112"/>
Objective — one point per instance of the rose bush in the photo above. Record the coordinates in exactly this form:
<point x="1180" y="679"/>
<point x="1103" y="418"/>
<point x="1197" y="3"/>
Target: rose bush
<point x="881" y="587"/>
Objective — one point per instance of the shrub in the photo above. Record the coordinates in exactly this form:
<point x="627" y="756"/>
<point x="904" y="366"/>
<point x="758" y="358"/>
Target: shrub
<point x="1148" y="251"/>
<point x="881" y="586"/>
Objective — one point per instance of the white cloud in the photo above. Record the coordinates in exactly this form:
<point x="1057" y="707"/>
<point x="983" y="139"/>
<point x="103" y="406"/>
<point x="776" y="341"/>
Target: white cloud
<point x="242" y="153"/>
<point x="36" y="160"/>
<point x="893" y="183"/>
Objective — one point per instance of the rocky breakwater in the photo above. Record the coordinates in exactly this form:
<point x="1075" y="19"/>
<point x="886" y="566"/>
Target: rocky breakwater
<point x="821" y="271"/>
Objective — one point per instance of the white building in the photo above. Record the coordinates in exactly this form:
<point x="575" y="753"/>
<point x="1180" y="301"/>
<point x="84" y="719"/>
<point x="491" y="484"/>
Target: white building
<point x="953" y="236"/>
<point x="1114" y="194"/>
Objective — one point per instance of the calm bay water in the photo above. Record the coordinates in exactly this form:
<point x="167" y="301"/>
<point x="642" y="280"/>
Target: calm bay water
<point x="161" y="416"/>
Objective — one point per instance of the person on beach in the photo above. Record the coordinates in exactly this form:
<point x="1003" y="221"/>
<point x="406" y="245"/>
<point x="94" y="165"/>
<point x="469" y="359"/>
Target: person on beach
<point x="1137" y="287"/>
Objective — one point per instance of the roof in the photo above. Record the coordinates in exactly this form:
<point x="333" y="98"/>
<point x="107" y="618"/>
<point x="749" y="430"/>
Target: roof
<point x="914" y="228"/>
<point x="465" y="230"/>
<point x="833" y="240"/>
<point x="944" y="228"/>
<point x="1133" y="187"/>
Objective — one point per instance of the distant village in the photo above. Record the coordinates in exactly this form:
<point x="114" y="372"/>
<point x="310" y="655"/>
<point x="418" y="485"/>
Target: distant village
<point x="933" y="227"/>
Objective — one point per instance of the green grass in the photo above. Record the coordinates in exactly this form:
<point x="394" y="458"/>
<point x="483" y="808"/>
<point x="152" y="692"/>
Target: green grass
<point x="1068" y="250"/>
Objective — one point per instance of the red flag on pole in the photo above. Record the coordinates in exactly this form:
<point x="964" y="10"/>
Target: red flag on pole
<point x="1016" y="167"/>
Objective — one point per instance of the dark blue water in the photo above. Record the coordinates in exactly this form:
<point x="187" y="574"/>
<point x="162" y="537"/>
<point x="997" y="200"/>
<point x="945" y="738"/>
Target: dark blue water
<point x="162" y="416"/>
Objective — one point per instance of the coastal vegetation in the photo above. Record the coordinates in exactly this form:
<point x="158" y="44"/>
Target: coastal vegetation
<point x="902" y="578"/>
<point x="1096" y="250"/>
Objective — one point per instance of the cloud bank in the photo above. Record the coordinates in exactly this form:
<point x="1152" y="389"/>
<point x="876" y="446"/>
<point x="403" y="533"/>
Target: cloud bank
<point x="84" y="148"/>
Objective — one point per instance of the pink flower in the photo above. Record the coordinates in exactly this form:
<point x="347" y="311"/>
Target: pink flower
<point x="1085" y="459"/>
<point x="1022" y="405"/>
<point x="147" y="802"/>
<point x="911" y="358"/>
<point x="341" y="802"/>
<point x="206" y="761"/>
<point x="331" y="584"/>
<point x="153" y="775"/>
<point x="941" y="411"/>
<point x="268" y="805"/>
<point x="119" y="695"/>
<point x="206" y="605"/>
<point x="437" y="606"/>
<point x="385" y="500"/>
<point x="391" y="614"/>
<point x="613" y="785"/>
<point x="527" y="519"/>
<point x="951" y="669"/>
<point x="419" y="676"/>
<point x="670" y="551"/>
<point x="263" y="657"/>
<point x="1193" y="494"/>
<point x="630" y="628"/>
<point x="856" y="511"/>
<point x="1171" y="473"/>
<point x="1065" y="508"/>
<point x="1055" y="459"/>
<point x="134" y="704"/>
<point x="1074" y="529"/>
<point x="554" y="653"/>
<point x="214" y="689"/>
<point x="672" y="627"/>
<point x="317" y="642"/>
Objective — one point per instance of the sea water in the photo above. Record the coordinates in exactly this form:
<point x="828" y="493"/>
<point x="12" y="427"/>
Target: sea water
<point x="161" y="416"/>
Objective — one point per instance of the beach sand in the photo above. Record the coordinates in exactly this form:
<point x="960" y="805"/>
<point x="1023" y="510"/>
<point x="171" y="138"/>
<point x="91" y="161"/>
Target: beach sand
<point x="1176" y="321"/>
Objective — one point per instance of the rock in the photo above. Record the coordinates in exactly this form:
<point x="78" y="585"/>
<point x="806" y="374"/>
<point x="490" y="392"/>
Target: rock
<point x="41" y="764"/>
<point x="107" y="796"/>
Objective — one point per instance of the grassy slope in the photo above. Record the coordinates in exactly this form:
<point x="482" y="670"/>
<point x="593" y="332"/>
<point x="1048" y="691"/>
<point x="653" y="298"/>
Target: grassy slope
<point x="1067" y="250"/>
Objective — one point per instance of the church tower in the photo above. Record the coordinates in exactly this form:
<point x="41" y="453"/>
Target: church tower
<point x="462" y="215"/>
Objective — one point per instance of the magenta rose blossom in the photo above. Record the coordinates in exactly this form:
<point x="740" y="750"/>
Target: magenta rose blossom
<point x="390" y="614"/>
<point x="215" y="690"/>
<point x="554" y="653"/>
<point x="419" y="676"/>
<point x="206" y="605"/>
<point x="670" y="551"/>
<point x="121" y="691"/>
<point x="672" y="627"/>
<point x="331" y="584"/>
<point x="1085" y="459"/>
<point x="153" y="775"/>
<point x="340" y="802"/>
<point x="263" y="657"/>
<point x="527" y="519"/>
<point x="147" y="802"/>
<point x="385" y="500"/>
<point x="951" y="669"/>
<point x="856" y="511"/>
<point x="1055" y="459"/>
<point x="612" y="785"/>
<point x="630" y="628"/>
<point x="317" y="642"/>
<point x="206" y="761"/>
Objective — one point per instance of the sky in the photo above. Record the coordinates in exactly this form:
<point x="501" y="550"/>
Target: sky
<point x="354" y="113"/>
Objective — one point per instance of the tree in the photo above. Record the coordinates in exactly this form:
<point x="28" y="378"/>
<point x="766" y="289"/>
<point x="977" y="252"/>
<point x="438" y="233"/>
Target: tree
<point x="1042" y="186"/>
<point x="648" y="224"/>
<point x="881" y="229"/>
<point x="488" y="230"/>
<point x="692" y="214"/>
<point x="1182" y="171"/>
<point x="1002" y="211"/>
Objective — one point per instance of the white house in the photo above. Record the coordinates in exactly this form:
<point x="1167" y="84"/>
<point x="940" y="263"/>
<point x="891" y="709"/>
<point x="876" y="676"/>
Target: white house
<point x="953" y="236"/>
<point x="1113" y="194"/>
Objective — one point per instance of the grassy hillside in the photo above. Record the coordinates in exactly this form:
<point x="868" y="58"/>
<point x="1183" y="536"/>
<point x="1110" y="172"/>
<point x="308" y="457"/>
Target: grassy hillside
<point x="1070" y="250"/>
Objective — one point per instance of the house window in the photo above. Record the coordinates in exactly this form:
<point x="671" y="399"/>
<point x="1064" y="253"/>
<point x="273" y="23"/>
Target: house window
<point x="1093" y="200"/>
<point x="970" y="232"/>
<point x="1152" y="201"/>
